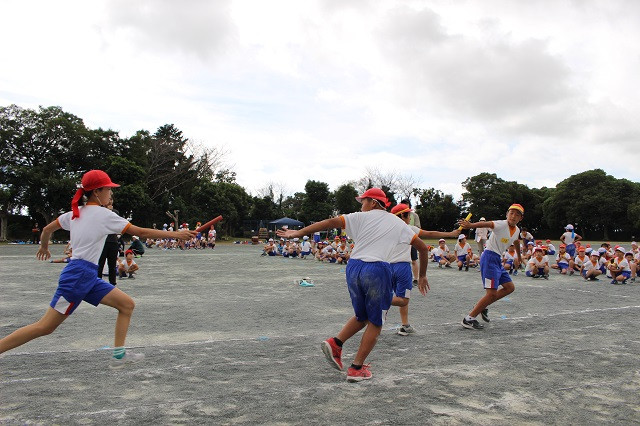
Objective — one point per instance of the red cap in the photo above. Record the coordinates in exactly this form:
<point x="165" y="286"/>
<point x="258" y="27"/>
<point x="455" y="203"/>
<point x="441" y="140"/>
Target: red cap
<point x="376" y="194"/>
<point x="91" y="180"/>
<point x="563" y="246"/>
<point x="517" y="207"/>
<point x="401" y="208"/>
<point x="128" y="251"/>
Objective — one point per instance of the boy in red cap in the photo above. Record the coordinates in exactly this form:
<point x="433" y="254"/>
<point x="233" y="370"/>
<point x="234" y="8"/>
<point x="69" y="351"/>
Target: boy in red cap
<point x="401" y="273"/>
<point x="504" y="233"/>
<point x="375" y="233"/>
<point x="128" y="265"/>
<point x="89" y="226"/>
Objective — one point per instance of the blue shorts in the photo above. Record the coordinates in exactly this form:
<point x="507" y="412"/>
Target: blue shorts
<point x="529" y="273"/>
<point x="551" y="252"/>
<point x="491" y="270"/>
<point x="273" y="253"/>
<point x="509" y="262"/>
<point x="316" y="238"/>
<point x="571" y="249"/>
<point x="305" y="253"/>
<point x="79" y="281"/>
<point x="462" y="258"/>
<point x="437" y="258"/>
<point x="626" y="274"/>
<point x="370" y="289"/>
<point x="402" y="279"/>
<point x="563" y="265"/>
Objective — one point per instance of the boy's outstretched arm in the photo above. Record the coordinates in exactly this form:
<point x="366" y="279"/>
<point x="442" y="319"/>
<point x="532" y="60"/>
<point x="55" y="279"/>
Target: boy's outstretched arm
<point x="334" y="222"/>
<point x="183" y="234"/>
<point x="437" y="234"/>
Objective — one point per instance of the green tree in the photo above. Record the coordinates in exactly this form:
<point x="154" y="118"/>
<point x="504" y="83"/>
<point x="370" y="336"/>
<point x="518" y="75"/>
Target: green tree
<point x="437" y="211"/>
<point x="317" y="204"/>
<point x="345" y="199"/>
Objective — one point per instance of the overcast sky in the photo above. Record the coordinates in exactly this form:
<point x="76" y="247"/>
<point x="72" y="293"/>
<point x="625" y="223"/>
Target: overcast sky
<point x="533" y="91"/>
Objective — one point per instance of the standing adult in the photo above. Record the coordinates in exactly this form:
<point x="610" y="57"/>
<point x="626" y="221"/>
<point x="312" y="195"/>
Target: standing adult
<point x="109" y="252"/>
<point x="482" y="234"/>
<point x="35" y="234"/>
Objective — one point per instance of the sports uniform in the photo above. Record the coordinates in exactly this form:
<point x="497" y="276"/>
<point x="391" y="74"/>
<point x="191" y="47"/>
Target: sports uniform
<point x="491" y="270"/>
<point x="401" y="275"/>
<point x="376" y="234"/>
<point x="79" y="280"/>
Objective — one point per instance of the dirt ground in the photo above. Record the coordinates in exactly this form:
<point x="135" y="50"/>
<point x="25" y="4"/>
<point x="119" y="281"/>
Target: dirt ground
<point x="230" y="338"/>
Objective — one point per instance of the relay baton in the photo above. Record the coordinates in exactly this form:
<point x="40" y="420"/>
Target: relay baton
<point x="209" y="224"/>
<point x="466" y="218"/>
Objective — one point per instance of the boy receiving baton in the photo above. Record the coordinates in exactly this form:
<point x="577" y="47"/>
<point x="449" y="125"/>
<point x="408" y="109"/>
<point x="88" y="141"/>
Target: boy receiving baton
<point x="504" y="233"/>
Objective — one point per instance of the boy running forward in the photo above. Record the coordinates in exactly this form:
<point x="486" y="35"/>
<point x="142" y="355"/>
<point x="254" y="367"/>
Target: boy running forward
<point x="504" y="233"/>
<point x="401" y="267"/>
<point x="376" y="233"/>
<point x="89" y="226"/>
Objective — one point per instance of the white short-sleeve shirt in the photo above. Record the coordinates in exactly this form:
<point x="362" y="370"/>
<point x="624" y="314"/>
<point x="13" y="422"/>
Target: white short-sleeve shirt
<point x="376" y="233"/>
<point x="502" y="236"/>
<point x="89" y="231"/>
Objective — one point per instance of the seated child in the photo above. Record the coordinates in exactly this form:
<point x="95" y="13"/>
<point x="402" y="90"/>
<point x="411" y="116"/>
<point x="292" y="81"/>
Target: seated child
<point x="305" y="247"/>
<point x="580" y="259"/>
<point x="508" y="259"/>
<point x="441" y="254"/>
<point x="342" y="252"/>
<point x="538" y="265"/>
<point x="591" y="268"/>
<point x="128" y="266"/>
<point x="551" y="249"/>
<point x="619" y="267"/>
<point x="462" y="249"/>
<point x="562" y="260"/>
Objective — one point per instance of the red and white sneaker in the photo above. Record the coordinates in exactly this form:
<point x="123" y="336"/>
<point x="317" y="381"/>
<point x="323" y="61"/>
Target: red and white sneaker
<point x="332" y="352"/>
<point x="354" y="375"/>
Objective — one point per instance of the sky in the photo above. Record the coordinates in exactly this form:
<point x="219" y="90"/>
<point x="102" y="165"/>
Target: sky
<point x="437" y="91"/>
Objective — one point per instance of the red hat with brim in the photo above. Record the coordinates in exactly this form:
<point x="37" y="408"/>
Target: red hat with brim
<point x="375" y="194"/>
<point x="91" y="180"/>
<point x="401" y="208"/>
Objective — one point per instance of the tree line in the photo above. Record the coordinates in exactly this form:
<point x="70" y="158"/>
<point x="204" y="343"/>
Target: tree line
<point x="44" y="152"/>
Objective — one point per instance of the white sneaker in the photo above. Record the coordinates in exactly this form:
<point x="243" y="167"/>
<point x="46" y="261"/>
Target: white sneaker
<point x="128" y="358"/>
<point x="405" y="330"/>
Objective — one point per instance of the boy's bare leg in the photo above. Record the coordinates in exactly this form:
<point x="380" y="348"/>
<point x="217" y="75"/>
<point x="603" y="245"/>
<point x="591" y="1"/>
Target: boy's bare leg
<point x="491" y="296"/>
<point x="369" y="339"/>
<point x="46" y="325"/>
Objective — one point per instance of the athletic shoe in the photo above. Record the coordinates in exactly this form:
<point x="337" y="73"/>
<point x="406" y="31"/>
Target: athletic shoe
<point x="515" y="272"/>
<point x="415" y="282"/>
<point x="354" y="375"/>
<point x="131" y="277"/>
<point x="466" y="268"/>
<point x="472" y="325"/>
<point x="128" y="358"/>
<point x="594" y="279"/>
<point x="405" y="330"/>
<point x="332" y="352"/>
<point x="439" y="265"/>
<point x="447" y="266"/>
<point x="545" y="276"/>
<point x="571" y="272"/>
<point x="485" y="315"/>
<point x="613" y="282"/>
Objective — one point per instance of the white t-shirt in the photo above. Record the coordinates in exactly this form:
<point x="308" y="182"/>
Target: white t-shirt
<point x="441" y="252"/>
<point x="568" y="239"/>
<point x="125" y="263"/>
<point x="508" y="256"/>
<point x="537" y="263"/>
<point x="578" y="261"/>
<point x="551" y="247"/>
<point x="589" y="265"/>
<point x="502" y="237"/>
<point x="623" y="264"/>
<point x="402" y="252"/>
<point x="482" y="234"/>
<point x="305" y="246"/>
<point x="376" y="233"/>
<point x="89" y="231"/>
<point x="462" y="250"/>
<point x="564" y="258"/>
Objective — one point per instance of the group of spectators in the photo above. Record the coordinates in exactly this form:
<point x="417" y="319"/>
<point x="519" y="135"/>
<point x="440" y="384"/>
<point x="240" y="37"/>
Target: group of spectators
<point x="202" y="240"/>
<point x="336" y="251"/>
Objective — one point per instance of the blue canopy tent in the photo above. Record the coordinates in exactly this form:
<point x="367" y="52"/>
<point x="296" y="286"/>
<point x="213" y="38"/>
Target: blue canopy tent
<point x="286" y="221"/>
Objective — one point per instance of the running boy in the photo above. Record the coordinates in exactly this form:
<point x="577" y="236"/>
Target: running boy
<point x="504" y="233"/>
<point x="89" y="226"/>
<point x="375" y="233"/>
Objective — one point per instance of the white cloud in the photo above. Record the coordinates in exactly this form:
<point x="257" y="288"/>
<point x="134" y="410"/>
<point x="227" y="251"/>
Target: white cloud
<point x="321" y="90"/>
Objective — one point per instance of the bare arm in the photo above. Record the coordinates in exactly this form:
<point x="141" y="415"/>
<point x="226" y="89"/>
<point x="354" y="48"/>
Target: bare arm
<point x="468" y="225"/>
<point x="334" y="222"/>
<point x="437" y="234"/>
<point x="423" y="255"/>
<point x="43" y="251"/>
<point x="517" y="246"/>
<point x="183" y="234"/>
